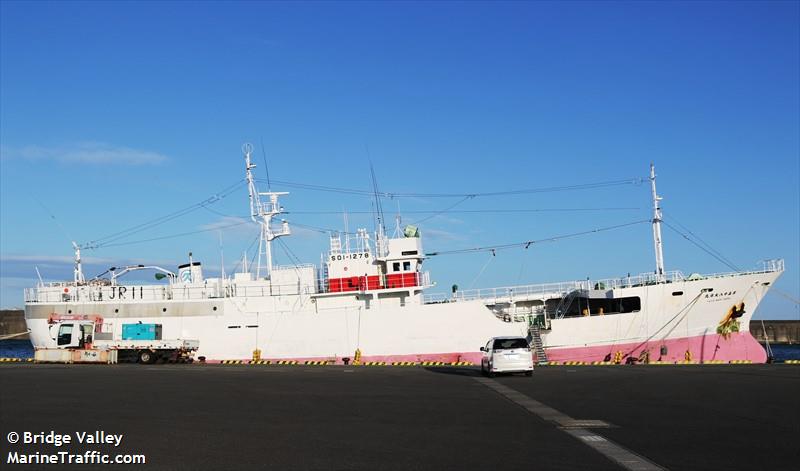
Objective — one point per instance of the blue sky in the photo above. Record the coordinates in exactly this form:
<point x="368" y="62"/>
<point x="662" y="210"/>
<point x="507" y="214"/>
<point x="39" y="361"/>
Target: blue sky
<point x="112" y="114"/>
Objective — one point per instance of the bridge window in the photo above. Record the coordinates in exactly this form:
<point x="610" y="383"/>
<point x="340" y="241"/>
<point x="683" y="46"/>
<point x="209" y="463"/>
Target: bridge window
<point x="396" y="266"/>
<point x="406" y="266"/>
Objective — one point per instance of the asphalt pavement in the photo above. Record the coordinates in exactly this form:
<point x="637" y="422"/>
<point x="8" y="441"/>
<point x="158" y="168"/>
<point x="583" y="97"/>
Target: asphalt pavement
<point x="214" y="417"/>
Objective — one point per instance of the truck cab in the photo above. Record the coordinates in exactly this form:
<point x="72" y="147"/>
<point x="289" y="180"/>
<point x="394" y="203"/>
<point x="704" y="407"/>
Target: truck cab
<point x="92" y="341"/>
<point x="75" y="334"/>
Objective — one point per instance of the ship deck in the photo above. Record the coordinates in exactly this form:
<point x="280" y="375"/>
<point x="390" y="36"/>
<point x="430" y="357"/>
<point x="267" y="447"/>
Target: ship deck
<point x="271" y="417"/>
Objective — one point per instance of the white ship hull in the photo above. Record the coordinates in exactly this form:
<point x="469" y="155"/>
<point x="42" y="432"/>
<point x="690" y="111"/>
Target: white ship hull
<point x="333" y="326"/>
<point x="366" y="303"/>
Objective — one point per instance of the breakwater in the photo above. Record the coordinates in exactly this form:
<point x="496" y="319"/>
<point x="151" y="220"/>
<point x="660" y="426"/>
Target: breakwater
<point x="777" y="332"/>
<point x="13" y="322"/>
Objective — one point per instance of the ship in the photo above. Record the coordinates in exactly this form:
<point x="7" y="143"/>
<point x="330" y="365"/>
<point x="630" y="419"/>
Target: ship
<point x="368" y="303"/>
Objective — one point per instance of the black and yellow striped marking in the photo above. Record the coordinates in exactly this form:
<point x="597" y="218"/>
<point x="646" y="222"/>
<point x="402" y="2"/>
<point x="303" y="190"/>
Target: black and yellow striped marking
<point x="15" y="360"/>
<point x="678" y="362"/>
<point x="231" y="362"/>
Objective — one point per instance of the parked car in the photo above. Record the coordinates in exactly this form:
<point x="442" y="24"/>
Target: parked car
<point x="507" y="355"/>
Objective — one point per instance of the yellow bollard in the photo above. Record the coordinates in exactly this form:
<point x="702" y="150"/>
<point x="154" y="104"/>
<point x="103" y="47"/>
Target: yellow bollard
<point x="618" y="357"/>
<point x="256" y="355"/>
<point x="357" y="357"/>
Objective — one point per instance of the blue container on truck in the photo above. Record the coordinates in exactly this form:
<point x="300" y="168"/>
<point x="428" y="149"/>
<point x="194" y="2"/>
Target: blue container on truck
<point x="141" y="331"/>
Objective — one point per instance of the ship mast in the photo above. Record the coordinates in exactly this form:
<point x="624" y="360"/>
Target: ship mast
<point x="262" y="212"/>
<point x="657" y="226"/>
<point x="78" y="271"/>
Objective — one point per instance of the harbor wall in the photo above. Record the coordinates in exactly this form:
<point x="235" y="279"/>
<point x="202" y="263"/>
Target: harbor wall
<point x="13" y="322"/>
<point x="777" y="332"/>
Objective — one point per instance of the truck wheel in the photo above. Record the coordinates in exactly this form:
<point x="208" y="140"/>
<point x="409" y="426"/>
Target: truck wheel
<point x="146" y="357"/>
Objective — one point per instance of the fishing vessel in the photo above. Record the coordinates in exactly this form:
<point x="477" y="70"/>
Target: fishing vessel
<point x="368" y="301"/>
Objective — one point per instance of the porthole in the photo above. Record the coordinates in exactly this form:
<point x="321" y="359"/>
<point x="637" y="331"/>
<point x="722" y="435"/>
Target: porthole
<point x="164" y="310"/>
<point x="116" y="311"/>
<point x="214" y="308"/>
<point x="69" y="311"/>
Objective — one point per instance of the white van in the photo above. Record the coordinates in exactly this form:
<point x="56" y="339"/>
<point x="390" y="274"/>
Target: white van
<point x="507" y="355"/>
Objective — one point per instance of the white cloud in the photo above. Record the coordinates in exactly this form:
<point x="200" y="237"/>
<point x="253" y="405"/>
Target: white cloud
<point x="90" y="153"/>
<point x="227" y="222"/>
<point x="50" y="259"/>
<point x="438" y="234"/>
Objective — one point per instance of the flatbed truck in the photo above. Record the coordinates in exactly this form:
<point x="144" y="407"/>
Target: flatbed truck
<point x="85" y="341"/>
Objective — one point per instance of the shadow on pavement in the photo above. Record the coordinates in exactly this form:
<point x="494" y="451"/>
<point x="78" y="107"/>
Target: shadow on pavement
<point x="454" y="370"/>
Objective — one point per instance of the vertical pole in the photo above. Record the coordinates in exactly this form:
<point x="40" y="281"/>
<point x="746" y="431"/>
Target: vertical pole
<point x="657" y="226"/>
<point x="260" y="250"/>
<point x="78" y="272"/>
<point x="268" y="252"/>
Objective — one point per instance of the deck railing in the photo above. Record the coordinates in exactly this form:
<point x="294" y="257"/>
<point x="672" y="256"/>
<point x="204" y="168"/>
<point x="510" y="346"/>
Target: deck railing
<point x="67" y="292"/>
<point x="510" y="293"/>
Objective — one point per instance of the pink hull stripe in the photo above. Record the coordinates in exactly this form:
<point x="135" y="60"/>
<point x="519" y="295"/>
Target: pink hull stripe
<point x="703" y="348"/>
<point x="474" y="357"/>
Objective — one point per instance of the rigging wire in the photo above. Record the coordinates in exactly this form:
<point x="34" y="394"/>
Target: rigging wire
<point x="467" y="211"/>
<point x="786" y="295"/>
<point x="53" y="217"/>
<point x="289" y="254"/>
<point x="526" y="244"/>
<point x="266" y="167"/>
<point x="706" y="244"/>
<point x="172" y="236"/>
<point x="720" y="259"/>
<point x="236" y="267"/>
<point x="106" y="240"/>
<point x="378" y="205"/>
<point x="485" y="265"/>
<point x="438" y="213"/>
<point x="352" y="191"/>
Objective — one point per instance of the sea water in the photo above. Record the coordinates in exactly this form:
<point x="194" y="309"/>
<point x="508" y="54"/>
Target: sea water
<point x="15" y="348"/>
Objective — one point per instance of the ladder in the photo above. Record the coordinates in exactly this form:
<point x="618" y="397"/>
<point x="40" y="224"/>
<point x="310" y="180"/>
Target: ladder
<point x="538" y="346"/>
<point x="566" y="302"/>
